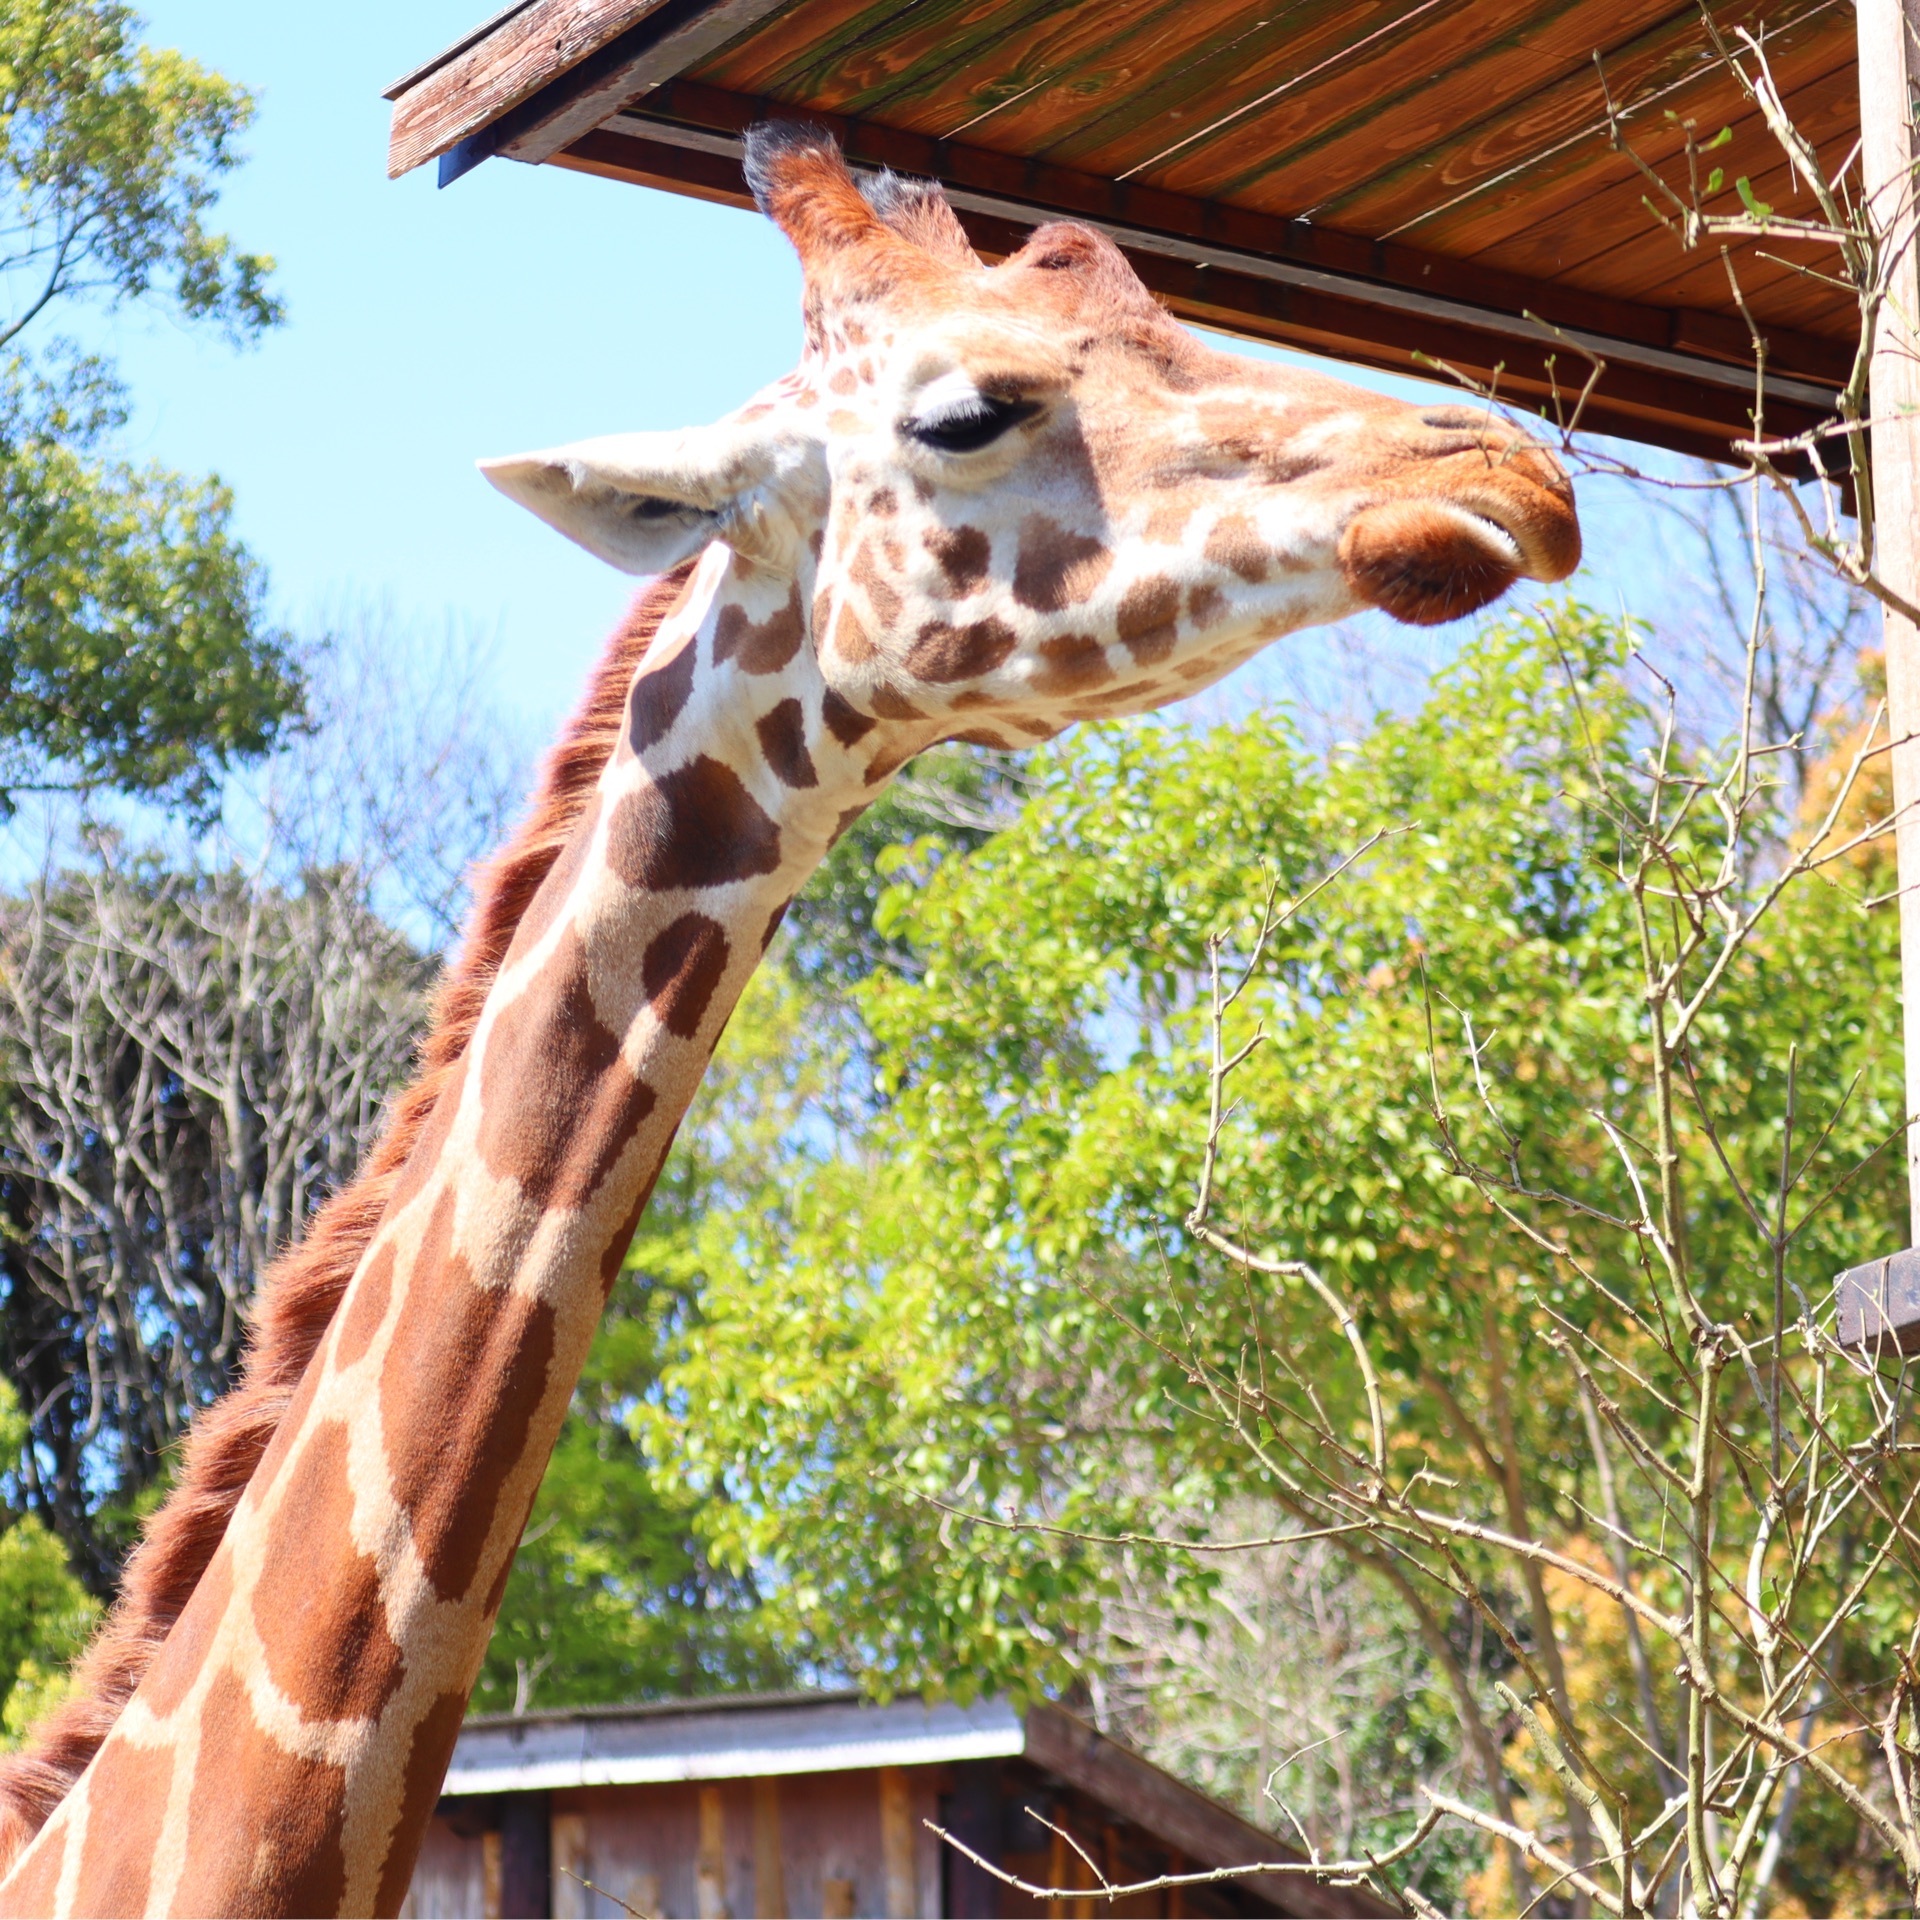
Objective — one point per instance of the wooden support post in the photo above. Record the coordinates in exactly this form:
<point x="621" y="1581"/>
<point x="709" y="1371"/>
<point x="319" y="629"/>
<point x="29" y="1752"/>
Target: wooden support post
<point x="568" y="1852"/>
<point x="769" y="1856"/>
<point x="974" y="1814"/>
<point x="710" y="1868"/>
<point x="897" y="1843"/>
<point x="1889" y="44"/>
<point x="526" y="1869"/>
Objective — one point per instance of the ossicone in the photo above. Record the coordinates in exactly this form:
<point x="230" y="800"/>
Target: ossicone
<point x="895" y="230"/>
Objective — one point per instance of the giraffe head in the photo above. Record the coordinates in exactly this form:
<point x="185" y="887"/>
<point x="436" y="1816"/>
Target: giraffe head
<point x="998" y="500"/>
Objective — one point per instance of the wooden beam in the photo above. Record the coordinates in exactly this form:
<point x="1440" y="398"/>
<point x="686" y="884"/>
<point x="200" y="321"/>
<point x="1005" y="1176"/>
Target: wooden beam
<point x="769" y="1856"/>
<point x="473" y="84"/>
<point x="672" y="36"/>
<point x="901" y="1888"/>
<point x="1880" y="1306"/>
<point x="1672" y="379"/>
<point x="1889" y="65"/>
<point x="1178" y="1816"/>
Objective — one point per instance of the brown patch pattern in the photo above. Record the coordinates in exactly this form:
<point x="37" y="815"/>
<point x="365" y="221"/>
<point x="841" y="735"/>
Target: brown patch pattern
<point x="317" y="1606"/>
<point x="659" y="693"/>
<point x="782" y="732"/>
<point x="882" y="595"/>
<point x="557" y="1102"/>
<point x="1233" y="542"/>
<point x="300" y="1294"/>
<point x="192" y="1637"/>
<point x="1056" y="569"/>
<point x="1149" y="618"/>
<point x="129" y="1787"/>
<point x="459" y="1415"/>
<point x="964" y="554"/>
<point x="763" y="646"/>
<point x="942" y="653"/>
<point x="291" y="1809"/>
<point x="365" y="1307"/>
<point x="1070" y="663"/>
<point x="850" y="640"/>
<point x="697" y="826"/>
<point x="683" y="965"/>
<point x="426" y="1767"/>
<point x="843" y="720"/>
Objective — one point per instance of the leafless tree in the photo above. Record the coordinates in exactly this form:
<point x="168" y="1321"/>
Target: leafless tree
<point x="191" y="1061"/>
<point x="1745" y="1528"/>
<point x="197" y="1036"/>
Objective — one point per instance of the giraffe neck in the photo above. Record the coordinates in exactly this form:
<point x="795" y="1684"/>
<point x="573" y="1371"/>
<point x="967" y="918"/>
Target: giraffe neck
<point x="310" y="1693"/>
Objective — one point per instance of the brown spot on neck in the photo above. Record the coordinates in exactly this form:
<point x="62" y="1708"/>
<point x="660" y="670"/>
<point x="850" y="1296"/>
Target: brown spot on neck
<point x="365" y="1306"/>
<point x="763" y="646"/>
<point x="1071" y="663"/>
<point x="293" y="1811"/>
<point x="683" y="965"/>
<point x="844" y="721"/>
<point x="782" y="733"/>
<point x="317" y="1606"/>
<point x="129" y="1791"/>
<point x="1149" y="618"/>
<point x="467" y="1375"/>
<point x="558" y="1103"/>
<point x="426" y="1767"/>
<point x="660" y="691"/>
<point x="697" y="826"/>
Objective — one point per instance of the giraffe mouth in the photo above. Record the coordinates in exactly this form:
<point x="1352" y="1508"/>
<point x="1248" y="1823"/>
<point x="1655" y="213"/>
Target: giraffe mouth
<point x="1497" y="537"/>
<point x="1429" y="561"/>
<point x="1464" y="537"/>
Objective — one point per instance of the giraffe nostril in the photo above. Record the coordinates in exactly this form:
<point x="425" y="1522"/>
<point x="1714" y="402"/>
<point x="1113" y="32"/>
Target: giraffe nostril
<point x="1452" y="419"/>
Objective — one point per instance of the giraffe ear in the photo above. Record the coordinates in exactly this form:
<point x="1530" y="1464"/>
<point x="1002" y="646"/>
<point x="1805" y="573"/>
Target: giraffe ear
<point x="643" y="502"/>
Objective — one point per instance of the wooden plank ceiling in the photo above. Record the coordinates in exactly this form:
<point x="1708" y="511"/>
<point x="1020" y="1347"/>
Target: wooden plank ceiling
<point x="1375" y="179"/>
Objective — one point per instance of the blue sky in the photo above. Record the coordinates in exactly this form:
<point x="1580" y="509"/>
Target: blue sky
<point x="520" y="307"/>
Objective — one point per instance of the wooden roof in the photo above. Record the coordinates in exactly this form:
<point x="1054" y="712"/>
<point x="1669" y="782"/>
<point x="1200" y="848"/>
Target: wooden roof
<point x="761" y="1736"/>
<point x="1376" y="179"/>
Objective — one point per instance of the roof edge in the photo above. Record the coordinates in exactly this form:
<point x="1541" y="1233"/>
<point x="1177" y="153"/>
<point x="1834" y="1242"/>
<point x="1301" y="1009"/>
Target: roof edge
<point x="714" y="1703"/>
<point x="501" y="65"/>
<point x="415" y="75"/>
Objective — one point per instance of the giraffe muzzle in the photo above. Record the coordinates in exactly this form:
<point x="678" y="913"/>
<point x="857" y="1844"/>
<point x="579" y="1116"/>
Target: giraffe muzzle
<point x="1461" y="526"/>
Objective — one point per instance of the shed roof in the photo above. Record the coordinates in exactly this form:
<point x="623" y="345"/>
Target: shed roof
<point x="757" y="1736"/>
<point x="728" y="1738"/>
<point x="1374" y="179"/>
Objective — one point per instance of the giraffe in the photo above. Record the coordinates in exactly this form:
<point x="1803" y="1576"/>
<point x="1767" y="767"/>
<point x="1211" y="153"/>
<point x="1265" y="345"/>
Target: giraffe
<point x="988" y="502"/>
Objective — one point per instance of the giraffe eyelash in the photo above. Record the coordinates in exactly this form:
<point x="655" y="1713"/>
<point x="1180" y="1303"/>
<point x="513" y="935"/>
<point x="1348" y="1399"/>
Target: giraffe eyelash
<point x="968" y="423"/>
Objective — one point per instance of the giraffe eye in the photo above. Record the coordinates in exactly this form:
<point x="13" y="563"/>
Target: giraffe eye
<point x="969" y="422"/>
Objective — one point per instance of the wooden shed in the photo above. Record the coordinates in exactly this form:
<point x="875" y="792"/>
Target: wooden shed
<point x="1374" y="179"/>
<point x="819" y="1803"/>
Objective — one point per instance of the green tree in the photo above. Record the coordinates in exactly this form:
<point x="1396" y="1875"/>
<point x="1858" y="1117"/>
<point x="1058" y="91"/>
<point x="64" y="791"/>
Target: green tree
<point x="134" y="647"/>
<point x="928" y="1380"/>
<point x="45" y="1613"/>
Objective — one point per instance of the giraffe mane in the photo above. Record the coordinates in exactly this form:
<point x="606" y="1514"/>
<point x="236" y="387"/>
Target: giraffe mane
<point x="302" y="1290"/>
